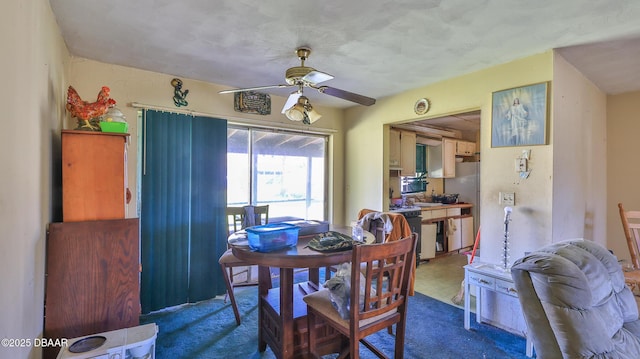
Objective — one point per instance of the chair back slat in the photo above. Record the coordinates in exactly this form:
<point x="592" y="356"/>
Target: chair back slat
<point x="631" y="226"/>
<point x="236" y="216"/>
<point x="386" y="269"/>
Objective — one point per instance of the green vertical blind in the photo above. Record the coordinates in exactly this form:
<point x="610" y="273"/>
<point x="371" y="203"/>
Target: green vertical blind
<point x="183" y="200"/>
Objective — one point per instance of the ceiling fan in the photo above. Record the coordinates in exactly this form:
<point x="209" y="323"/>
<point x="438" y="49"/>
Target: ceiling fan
<point x="303" y="76"/>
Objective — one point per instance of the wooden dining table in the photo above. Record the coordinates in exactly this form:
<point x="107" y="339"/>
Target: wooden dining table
<point x="282" y="323"/>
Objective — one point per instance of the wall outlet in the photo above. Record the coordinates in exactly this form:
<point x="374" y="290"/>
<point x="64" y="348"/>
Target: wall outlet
<point x="508" y="198"/>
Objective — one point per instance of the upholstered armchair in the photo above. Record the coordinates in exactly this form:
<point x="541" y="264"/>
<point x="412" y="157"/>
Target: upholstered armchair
<point x="575" y="302"/>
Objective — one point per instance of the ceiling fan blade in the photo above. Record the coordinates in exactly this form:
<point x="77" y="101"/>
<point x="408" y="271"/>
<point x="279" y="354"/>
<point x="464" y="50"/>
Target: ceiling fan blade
<point x="316" y="77"/>
<point x="293" y="98"/>
<point x="346" y="95"/>
<point x="255" y="88"/>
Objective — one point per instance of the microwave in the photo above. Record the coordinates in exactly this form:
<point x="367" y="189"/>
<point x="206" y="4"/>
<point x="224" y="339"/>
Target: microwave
<point x="413" y="184"/>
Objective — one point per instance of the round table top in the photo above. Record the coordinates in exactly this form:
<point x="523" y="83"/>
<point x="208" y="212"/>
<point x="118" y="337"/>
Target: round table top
<point x="299" y="256"/>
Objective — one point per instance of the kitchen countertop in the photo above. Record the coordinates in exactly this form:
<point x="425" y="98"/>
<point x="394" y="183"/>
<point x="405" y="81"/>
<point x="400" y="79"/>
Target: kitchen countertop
<point x="445" y="206"/>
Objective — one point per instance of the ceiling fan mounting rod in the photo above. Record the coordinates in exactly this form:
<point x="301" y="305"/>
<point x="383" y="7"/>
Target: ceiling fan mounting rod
<point x="303" y="53"/>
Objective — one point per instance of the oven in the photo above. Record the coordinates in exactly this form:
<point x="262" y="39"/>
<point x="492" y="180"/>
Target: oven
<point x="413" y="217"/>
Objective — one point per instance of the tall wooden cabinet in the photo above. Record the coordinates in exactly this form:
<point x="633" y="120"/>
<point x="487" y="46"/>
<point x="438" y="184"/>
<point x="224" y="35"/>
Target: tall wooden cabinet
<point x="92" y="271"/>
<point x="94" y="175"/>
<point x="92" y="278"/>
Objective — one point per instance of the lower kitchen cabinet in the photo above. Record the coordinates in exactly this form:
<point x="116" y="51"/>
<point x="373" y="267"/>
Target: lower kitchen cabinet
<point x="428" y="243"/>
<point x="446" y="229"/>
<point x="460" y="233"/>
<point x="466" y="236"/>
<point x="454" y="241"/>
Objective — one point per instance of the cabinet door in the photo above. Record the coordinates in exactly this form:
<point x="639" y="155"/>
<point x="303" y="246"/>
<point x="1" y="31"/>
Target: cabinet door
<point x="434" y="161"/>
<point x="465" y="148"/>
<point x="471" y="148"/>
<point x="408" y="153"/>
<point x="454" y="234"/>
<point x="394" y="148"/>
<point x="93" y="175"/>
<point x="467" y="237"/>
<point x="448" y="158"/>
<point x="92" y="278"/>
<point x="428" y="243"/>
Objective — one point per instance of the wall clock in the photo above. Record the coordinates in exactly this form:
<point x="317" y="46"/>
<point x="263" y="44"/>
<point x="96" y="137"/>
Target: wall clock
<point x="422" y="106"/>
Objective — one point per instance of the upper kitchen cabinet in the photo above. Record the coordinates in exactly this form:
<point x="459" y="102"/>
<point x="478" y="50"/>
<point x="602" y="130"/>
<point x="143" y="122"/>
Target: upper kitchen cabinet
<point x="94" y="175"/>
<point x="394" y="149"/>
<point x="465" y="148"/>
<point x="402" y="152"/>
<point x="441" y="159"/>
<point x="408" y="153"/>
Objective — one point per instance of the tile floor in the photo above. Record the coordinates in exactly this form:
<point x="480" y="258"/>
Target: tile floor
<point x="441" y="278"/>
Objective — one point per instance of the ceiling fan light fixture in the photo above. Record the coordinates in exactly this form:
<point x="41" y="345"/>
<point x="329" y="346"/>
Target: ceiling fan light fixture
<point x="302" y="111"/>
<point x="292" y="100"/>
<point x="295" y="113"/>
<point x="312" y="115"/>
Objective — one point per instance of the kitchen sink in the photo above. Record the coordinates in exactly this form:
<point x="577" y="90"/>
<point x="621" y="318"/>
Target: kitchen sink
<point x="426" y="204"/>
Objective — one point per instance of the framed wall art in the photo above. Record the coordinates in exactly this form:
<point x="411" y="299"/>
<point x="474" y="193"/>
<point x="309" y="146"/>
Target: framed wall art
<point x="252" y="102"/>
<point x="519" y="116"/>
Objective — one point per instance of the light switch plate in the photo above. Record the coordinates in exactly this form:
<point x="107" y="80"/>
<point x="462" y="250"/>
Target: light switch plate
<point x="521" y="165"/>
<point x="508" y="198"/>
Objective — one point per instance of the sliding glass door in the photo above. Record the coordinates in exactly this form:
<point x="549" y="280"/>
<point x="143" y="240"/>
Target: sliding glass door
<point x="286" y="170"/>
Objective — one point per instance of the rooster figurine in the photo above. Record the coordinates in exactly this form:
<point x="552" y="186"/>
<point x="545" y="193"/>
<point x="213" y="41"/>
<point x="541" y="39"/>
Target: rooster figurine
<point x="88" y="113"/>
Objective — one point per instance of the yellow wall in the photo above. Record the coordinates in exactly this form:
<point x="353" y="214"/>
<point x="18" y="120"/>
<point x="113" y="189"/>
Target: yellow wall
<point x="621" y="165"/>
<point x="559" y="200"/>
<point x="366" y="169"/>
<point x="33" y="72"/>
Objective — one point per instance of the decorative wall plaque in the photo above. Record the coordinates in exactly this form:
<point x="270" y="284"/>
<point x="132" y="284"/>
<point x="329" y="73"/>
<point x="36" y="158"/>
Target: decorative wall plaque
<point x="422" y="106"/>
<point x="252" y="102"/>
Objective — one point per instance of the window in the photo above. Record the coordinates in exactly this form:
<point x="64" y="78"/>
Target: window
<point x="286" y="170"/>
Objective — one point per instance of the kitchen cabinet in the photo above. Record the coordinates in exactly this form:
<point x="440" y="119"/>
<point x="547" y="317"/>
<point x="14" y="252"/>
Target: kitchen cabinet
<point x="428" y="240"/>
<point x="446" y="228"/>
<point x="94" y="175"/>
<point x="408" y="153"/>
<point x="448" y="158"/>
<point x="394" y="148"/>
<point x="460" y="233"/>
<point x="402" y="152"/>
<point x="466" y="234"/>
<point x="465" y="148"/>
<point x="92" y="278"/>
<point x="441" y="160"/>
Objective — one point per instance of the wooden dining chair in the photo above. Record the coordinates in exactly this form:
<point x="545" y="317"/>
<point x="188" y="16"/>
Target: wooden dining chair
<point x="631" y="226"/>
<point x="384" y="299"/>
<point x="376" y="227"/>
<point x="236" y="218"/>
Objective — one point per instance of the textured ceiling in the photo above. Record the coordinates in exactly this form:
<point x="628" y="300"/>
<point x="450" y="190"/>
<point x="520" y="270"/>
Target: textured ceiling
<point x="375" y="48"/>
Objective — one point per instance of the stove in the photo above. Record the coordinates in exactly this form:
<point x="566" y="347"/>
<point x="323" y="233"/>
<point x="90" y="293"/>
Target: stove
<point x="407" y="211"/>
<point x="413" y="216"/>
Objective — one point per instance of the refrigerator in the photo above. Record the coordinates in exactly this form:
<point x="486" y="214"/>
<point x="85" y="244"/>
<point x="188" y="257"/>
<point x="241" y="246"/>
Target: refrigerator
<point x="467" y="184"/>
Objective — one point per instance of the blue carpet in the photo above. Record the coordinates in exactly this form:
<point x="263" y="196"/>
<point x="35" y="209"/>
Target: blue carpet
<point x="434" y="330"/>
